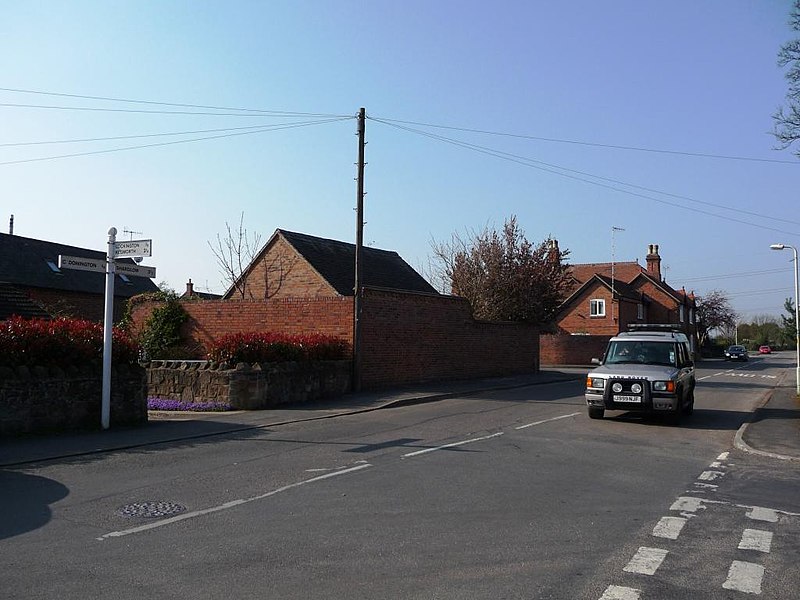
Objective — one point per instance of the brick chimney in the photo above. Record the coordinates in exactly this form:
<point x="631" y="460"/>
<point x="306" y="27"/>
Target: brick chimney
<point x="653" y="262"/>
<point x="553" y="253"/>
<point x="189" y="289"/>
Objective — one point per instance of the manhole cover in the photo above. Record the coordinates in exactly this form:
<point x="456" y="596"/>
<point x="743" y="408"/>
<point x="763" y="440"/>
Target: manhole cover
<point x="151" y="510"/>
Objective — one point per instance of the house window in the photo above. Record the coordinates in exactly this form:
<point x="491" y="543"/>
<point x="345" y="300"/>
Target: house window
<point x="681" y="314"/>
<point x="640" y="312"/>
<point x="691" y="315"/>
<point x="597" y="308"/>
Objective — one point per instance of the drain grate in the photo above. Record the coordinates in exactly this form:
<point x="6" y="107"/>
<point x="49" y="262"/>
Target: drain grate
<point x="150" y="510"/>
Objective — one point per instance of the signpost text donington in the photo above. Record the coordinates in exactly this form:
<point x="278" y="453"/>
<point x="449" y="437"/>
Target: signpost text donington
<point x="110" y="266"/>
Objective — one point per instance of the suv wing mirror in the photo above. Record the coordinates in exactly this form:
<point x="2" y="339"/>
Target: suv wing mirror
<point x="596" y="361"/>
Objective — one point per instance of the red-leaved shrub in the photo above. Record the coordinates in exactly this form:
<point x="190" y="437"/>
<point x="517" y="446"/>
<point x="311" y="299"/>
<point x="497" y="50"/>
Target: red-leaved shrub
<point x="261" y="347"/>
<point x="59" y="343"/>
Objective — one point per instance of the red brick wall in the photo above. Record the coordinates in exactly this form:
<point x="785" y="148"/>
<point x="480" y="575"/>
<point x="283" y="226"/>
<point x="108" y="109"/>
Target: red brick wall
<point x="417" y="337"/>
<point x="565" y="349"/>
<point x="405" y="337"/>
<point x="577" y="319"/>
<point x="211" y="319"/>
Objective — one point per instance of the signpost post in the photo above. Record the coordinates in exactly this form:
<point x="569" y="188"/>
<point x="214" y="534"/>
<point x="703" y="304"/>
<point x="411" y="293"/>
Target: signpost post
<point x="110" y="267"/>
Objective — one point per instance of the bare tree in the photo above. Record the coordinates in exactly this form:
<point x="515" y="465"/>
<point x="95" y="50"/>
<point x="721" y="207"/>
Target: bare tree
<point x="234" y="252"/>
<point x="714" y="312"/>
<point x="787" y="119"/>
<point x="503" y="275"/>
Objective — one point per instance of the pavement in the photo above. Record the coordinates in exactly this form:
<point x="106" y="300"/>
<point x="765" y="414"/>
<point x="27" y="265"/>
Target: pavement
<point x="772" y="430"/>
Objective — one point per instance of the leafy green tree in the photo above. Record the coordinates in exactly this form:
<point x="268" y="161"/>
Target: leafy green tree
<point x="504" y="276"/>
<point x="789" y="326"/>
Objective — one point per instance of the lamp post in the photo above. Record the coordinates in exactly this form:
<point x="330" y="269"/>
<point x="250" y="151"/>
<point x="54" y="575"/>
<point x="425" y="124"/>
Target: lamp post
<point x="796" y="311"/>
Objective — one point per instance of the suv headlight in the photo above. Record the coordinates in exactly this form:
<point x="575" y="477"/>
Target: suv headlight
<point x="596" y="382"/>
<point x="664" y="386"/>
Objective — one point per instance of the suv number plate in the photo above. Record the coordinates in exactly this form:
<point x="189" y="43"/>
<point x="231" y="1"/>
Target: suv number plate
<point x="627" y="398"/>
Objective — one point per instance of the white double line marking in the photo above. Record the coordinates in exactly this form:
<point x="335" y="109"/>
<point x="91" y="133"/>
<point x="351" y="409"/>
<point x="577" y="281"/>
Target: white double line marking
<point x="669" y="527"/>
<point x="617" y="592"/>
<point x="756" y="539"/>
<point x="744" y="577"/>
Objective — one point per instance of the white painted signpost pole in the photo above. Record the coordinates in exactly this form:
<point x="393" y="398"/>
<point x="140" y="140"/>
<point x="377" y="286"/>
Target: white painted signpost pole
<point x="108" y="329"/>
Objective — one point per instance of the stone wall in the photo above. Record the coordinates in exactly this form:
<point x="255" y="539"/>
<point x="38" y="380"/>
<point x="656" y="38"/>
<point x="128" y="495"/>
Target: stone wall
<point x="248" y="387"/>
<point x="40" y="400"/>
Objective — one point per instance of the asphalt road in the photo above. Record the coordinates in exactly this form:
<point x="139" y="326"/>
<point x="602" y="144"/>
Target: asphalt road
<point x="512" y="494"/>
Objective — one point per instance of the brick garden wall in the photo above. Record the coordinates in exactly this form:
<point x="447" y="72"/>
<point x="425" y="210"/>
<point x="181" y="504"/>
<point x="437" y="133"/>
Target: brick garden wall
<point x="41" y="400"/>
<point x="565" y="349"/>
<point x="417" y="337"/>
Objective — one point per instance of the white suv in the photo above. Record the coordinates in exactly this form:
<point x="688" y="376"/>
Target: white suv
<point x="643" y="371"/>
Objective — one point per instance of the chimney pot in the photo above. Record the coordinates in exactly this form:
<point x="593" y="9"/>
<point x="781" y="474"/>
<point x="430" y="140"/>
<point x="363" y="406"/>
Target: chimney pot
<point x="189" y="288"/>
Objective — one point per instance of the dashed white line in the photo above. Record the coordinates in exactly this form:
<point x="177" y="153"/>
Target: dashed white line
<point x="617" y="592"/>
<point x="453" y="445"/>
<point x="687" y="504"/>
<point x="756" y="539"/>
<point x="723" y="456"/>
<point x="669" y="527"/>
<point x="744" y="577"/>
<point x="710" y="475"/>
<point x="646" y="561"/>
<point x="549" y="420"/>
<point x="759" y="513"/>
<point x="227" y="505"/>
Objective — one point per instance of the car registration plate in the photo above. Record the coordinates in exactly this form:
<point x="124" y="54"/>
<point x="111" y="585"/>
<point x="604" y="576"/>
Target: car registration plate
<point x="627" y="398"/>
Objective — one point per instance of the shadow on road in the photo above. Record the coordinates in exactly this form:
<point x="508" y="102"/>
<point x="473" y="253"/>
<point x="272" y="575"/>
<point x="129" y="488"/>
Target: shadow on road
<point x="703" y="418"/>
<point x="25" y="501"/>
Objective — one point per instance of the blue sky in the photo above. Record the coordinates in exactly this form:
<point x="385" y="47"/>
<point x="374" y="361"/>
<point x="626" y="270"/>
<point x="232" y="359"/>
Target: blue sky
<point x="565" y="80"/>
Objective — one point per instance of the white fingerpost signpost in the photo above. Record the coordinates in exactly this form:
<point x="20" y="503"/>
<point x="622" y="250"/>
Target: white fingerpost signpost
<point x="111" y="267"/>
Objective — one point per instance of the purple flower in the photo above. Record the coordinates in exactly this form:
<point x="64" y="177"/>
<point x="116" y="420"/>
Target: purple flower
<point x="170" y="404"/>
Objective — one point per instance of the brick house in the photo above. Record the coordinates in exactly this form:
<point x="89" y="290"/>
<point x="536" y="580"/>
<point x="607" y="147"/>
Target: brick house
<point x="32" y="284"/>
<point x="297" y="265"/>
<point x="607" y="297"/>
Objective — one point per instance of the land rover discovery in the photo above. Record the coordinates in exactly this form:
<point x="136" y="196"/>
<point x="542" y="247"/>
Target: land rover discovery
<point x="650" y="372"/>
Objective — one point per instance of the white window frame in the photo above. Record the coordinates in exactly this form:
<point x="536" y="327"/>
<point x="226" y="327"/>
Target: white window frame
<point x="681" y="314"/>
<point x="597" y="307"/>
<point x="691" y="316"/>
<point x="640" y="311"/>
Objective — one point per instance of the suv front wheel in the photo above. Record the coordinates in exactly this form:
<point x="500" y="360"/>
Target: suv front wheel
<point x="596" y="413"/>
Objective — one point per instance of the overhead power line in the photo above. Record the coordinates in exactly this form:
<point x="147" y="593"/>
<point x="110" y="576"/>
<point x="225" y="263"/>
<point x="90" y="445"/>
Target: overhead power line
<point x="592" y="144"/>
<point x="175" y="104"/>
<point x="565" y="172"/>
<point x="737" y="275"/>
<point x="213" y="137"/>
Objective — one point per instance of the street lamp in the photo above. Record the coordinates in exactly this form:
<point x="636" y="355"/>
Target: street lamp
<point x="796" y="311"/>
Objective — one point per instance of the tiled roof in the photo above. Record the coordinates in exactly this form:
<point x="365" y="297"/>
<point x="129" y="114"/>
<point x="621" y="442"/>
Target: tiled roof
<point x="335" y="262"/>
<point x="14" y="302"/>
<point x="623" y="271"/>
<point x="26" y="262"/>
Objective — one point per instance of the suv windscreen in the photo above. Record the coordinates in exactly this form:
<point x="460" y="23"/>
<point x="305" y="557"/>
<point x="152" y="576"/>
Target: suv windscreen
<point x="644" y="352"/>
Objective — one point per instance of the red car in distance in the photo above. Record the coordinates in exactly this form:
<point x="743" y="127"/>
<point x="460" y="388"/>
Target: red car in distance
<point x="765" y="350"/>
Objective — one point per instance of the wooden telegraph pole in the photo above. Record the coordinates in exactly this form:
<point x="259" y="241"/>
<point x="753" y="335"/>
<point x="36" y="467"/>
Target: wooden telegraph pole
<point x="357" y="291"/>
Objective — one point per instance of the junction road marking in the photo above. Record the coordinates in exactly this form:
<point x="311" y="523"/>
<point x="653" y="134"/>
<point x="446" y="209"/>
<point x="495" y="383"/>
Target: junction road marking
<point x="687" y="504"/>
<point x="453" y="445"/>
<point x="669" y="527"/>
<point x="723" y="456"/>
<point x="227" y="505"/>
<point x="549" y="420"/>
<point x="756" y="539"/>
<point x="744" y="577"/>
<point x="616" y="592"/>
<point x="710" y="475"/>
<point x="646" y="561"/>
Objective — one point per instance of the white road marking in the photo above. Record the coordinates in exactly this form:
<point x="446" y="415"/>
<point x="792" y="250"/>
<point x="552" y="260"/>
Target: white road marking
<point x="723" y="456"/>
<point x="744" y="577"/>
<point x="710" y="475"/>
<point x="669" y="527"/>
<point x="227" y="505"/>
<point x="709" y="486"/>
<point x="759" y="513"/>
<point x="716" y="465"/>
<point x="756" y="539"/>
<point x="687" y="503"/>
<point x="477" y="439"/>
<point x="549" y="420"/>
<point x="646" y="561"/>
<point x="617" y="592"/>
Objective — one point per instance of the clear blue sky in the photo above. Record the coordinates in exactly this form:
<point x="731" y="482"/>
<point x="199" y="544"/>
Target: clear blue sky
<point x="682" y="76"/>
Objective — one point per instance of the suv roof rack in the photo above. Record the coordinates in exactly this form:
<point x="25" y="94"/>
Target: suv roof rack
<point x="662" y="327"/>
